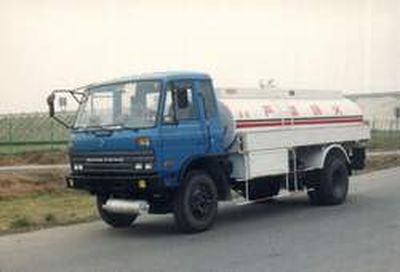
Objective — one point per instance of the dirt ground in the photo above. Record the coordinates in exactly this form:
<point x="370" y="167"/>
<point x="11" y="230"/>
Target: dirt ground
<point x="18" y="184"/>
<point x="34" y="157"/>
<point x="380" y="162"/>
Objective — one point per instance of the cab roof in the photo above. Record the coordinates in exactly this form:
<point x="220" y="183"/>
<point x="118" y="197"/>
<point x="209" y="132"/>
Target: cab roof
<point x="164" y="76"/>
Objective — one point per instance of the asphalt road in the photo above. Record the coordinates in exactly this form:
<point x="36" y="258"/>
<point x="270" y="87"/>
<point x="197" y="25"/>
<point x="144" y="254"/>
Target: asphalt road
<point x="286" y="235"/>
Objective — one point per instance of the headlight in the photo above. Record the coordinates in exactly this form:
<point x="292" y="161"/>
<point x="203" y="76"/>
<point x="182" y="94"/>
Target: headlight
<point x="138" y="166"/>
<point x="77" y="167"/>
<point x="148" y="166"/>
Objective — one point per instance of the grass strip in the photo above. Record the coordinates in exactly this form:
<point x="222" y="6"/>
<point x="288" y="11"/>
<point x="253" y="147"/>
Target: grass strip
<point x="40" y="210"/>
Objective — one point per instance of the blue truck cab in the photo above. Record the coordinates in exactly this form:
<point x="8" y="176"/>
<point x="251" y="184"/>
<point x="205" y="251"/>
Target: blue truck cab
<point x="153" y="141"/>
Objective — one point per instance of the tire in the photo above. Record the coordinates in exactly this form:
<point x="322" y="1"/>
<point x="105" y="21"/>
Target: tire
<point x="332" y="185"/>
<point x="114" y="220"/>
<point x="196" y="203"/>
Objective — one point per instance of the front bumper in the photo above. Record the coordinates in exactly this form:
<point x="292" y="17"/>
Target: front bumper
<point x="116" y="185"/>
<point x="114" y="173"/>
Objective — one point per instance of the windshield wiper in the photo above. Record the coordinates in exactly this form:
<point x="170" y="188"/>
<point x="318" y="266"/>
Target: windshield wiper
<point x="108" y="127"/>
<point x="94" y="128"/>
<point x="99" y="127"/>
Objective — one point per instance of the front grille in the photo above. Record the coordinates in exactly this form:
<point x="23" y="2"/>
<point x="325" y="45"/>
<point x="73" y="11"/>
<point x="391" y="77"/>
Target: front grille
<point x="111" y="163"/>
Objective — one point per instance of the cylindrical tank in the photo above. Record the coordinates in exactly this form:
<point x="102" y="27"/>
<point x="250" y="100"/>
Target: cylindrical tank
<point x="253" y="110"/>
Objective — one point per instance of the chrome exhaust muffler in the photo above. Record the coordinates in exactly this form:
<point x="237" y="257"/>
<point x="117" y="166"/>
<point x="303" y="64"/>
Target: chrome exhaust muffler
<point x="126" y="206"/>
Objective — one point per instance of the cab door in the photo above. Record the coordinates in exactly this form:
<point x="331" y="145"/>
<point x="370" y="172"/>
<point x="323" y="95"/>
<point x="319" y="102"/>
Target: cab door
<point x="183" y="133"/>
<point x="212" y="121"/>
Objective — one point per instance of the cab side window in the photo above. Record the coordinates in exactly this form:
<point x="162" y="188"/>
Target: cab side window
<point x="179" y="103"/>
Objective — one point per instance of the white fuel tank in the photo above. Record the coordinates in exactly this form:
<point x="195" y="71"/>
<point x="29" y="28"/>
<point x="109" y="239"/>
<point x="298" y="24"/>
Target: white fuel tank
<point x="302" y="112"/>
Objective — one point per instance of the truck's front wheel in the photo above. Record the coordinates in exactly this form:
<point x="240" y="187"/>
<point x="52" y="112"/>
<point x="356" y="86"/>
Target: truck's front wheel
<point x="115" y="220"/>
<point x="196" y="203"/>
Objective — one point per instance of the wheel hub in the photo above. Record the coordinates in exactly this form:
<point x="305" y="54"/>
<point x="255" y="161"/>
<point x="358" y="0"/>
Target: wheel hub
<point x="201" y="201"/>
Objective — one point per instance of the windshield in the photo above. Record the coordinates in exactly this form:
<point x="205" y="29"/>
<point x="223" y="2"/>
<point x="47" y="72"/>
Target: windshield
<point x="130" y="104"/>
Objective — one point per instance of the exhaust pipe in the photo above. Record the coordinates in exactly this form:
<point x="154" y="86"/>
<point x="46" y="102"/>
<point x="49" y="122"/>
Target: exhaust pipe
<point x="126" y="206"/>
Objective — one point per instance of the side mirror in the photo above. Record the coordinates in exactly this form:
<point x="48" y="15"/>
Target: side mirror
<point x="50" y="104"/>
<point x="59" y="111"/>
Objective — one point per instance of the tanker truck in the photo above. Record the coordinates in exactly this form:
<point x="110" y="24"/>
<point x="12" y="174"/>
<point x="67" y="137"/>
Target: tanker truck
<point x="170" y="143"/>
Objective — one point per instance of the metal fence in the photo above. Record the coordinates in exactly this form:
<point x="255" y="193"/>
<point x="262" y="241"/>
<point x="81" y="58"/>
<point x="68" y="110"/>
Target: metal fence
<point x="36" y="131"/>
<point x="385" y="124"/>
<point x="385" y="134"/>
<point x="28" y="132"/>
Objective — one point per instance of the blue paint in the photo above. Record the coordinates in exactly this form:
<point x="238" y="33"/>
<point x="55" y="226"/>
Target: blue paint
<point x="173" y="145"/>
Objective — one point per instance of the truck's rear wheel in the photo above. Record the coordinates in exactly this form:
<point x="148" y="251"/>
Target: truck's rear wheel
<point x="115" y="220"/>
<point x="332" y="184"/>
<point x="196" y="203"/>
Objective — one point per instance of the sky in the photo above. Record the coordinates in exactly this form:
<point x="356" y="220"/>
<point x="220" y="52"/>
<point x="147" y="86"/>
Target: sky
<point x="351" y="45"/>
